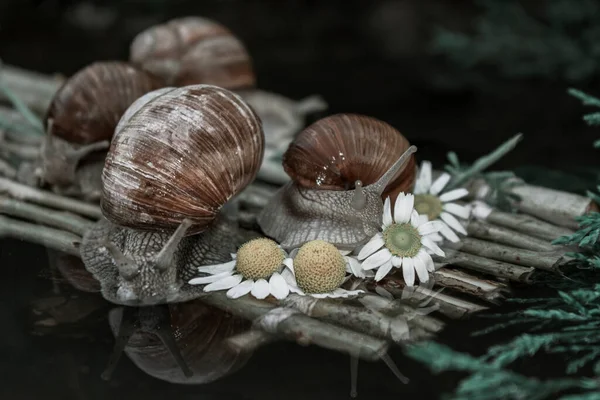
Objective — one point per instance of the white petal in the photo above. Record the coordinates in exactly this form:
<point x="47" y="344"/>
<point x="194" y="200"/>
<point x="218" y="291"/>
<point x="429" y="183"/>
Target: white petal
<point x="453" y="222"/>
<point x="427" y="260"/>
<point x="387" y="213"/>
<point x="403" y="208"/>
<point x="288" y="262"/>
<point x="278" y="286"/>
<point x="396" y="261"/>
<point x="384" y="293"/>
<point x="203" y="280"/>
<point x="225" y="283"/>
<point x="424" y="180"/>
<point x="423" y="218"/>
<point x="377" y="259"/>
<point x="383" y="271"/>
<point x="436" y="237"/>
<point x="217" y="268"/>
<point x="415" y="219"/>
<point x="345" y="252"/>
<point x="458" y="210"/>
<point x="454" y="195"/>
<point x="289" y="277"/>
<point x="449" y="234"/>
<point x="480" y="210"/>
<point x="431" y="227"/>
<point x="439" y="183"/>
<point x="233" y="255"/>
<point x="368" y="249"/>
<point x="408" y="271"/>
<point x="355" y="267"/>
<point x="260" y="289"/>
<point x="240" y="290"/>
<point x="432" y="246"/>
<point x="421" y="269"/>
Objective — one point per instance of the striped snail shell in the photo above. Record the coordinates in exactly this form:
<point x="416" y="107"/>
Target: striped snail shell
<point x="335" y="152"/>
<point x="183" y="343"/>
<point x="180" y="154"/>
<point x="194" y="50"/>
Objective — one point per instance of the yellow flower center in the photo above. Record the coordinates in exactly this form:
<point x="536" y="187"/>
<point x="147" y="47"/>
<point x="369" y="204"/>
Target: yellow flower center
<point x="319" y="267"/>
<point x="429" y="205"/>
<point x="402" y="240"/>
<point x="259" y="258"/>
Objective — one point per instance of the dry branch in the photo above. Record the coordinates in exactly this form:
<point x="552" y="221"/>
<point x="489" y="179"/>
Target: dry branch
<point x="495" y="268"/>
<point x="487" y="231"/>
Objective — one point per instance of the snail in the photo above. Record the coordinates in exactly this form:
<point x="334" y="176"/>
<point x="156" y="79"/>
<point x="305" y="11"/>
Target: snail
<point x="193" y="50"/>
<point x="340" y="166"/>
<point x="181" y="343"/>
<point x="196" y="50"/>
<point x="81" y="120"/>
<point x="177" y="157"/>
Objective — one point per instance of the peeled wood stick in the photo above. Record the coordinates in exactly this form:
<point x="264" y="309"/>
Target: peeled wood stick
<point x="462" y="282"/>
<point x="49" y="199"/>
<point x="498" y="234"/>
<point x="250" y="341"/>
<point x="363" y="319"/>
<point x="42" y="235"/>
<point x="449" y="306"/>
<point x="548" y="261"/>
<point x="528" y="224"/>
<point x="481" y="264"/>
<point x="299" y="327"/>
<point x="57" y="219"/>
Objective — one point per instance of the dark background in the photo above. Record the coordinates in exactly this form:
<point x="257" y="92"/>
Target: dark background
<point x="370" y="57"/>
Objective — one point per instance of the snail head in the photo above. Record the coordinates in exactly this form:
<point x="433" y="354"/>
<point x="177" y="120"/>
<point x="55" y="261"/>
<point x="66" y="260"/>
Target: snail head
<point x="148" y="277"/>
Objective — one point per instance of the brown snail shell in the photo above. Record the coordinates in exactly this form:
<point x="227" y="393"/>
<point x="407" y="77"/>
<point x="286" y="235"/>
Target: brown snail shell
<point x="87" y="108"/>
<point x="185" y="343"/>
<point x="336" y="151"/>
<point x="182" y="155"/>
<point x="194" y="50"/>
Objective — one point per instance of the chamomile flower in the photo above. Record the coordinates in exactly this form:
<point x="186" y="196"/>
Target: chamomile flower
<point x="431" y="200"/>
<point x="255" y="269"/>
<point x="403" y="243"/>
<point x="318" y="269"/>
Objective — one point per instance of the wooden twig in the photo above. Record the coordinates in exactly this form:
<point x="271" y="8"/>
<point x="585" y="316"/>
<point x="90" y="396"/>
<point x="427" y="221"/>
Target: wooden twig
<point x="49" y="199"/>
<point x="34" y="89"/>
<point x="57" y="219"/>
<point x="487" y="231"/>
<point x="527" y="224"/>
<point x="251" y="340"/>
<point x="460" y="281"/>
<point x="499" y="269"/>
<point x="22" y="151"/>
<point x="42" y="235"/>
<point x="7" y="170"/>
<point x="548" y="261"/>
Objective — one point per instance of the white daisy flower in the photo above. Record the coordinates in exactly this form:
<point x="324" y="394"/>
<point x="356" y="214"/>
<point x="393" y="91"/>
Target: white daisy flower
<point x="403" y="243"/>
<point x="318" y="269"/>
<point x="432" y="201"/>
<point x="255" y="269"/>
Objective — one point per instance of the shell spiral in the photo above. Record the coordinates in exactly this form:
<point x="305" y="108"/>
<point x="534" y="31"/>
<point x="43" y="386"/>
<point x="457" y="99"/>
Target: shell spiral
<point x="87" y="108"/>
<point x="183" y="153"/>
<point x="336" y="151"/>
<point x="194" y="50"/>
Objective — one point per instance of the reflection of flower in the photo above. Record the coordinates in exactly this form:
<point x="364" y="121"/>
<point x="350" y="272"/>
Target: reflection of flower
<point x="402" y="243"/>
<point x="255" y="262"/>
<point x="431" y="200"/>
<point x="318" y="269"/>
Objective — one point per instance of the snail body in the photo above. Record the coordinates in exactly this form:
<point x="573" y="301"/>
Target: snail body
<point x="178" y="156"/>
<point x="340" y="170"/>
<point x="193" y="50"/>
<point x="81" y="120"/>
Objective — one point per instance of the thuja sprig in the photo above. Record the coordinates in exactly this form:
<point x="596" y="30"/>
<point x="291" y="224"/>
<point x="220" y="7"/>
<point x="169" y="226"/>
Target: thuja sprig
<point x="500" y="182"/>
<point x="593" y="118"/>
<point x="588" y="233"/>
<point x="34" y="124"/>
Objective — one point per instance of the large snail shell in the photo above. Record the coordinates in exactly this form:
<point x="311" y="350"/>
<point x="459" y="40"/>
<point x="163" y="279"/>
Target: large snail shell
<point x="183" y="154"/>
<point x="87" y="108"/>
<point x="336" y="151"/>
<point x="194" y="50"/>
<point x="200" y="332"/>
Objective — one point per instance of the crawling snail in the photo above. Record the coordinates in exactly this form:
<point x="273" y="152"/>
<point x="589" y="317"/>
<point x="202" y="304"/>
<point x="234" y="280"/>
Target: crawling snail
<point x="177" y="157"/>
<point x="341" y="168"/>
<point x="183" y="343"/>
<point x="196" y="50"/>
<point x="80" y="122"/>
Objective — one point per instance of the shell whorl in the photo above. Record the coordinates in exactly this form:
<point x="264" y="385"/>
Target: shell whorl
<point x="194" y="50"/>
<point x="182" y="154"/>
<point x="87" y="108"/>
<point x="335" y="152"/>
